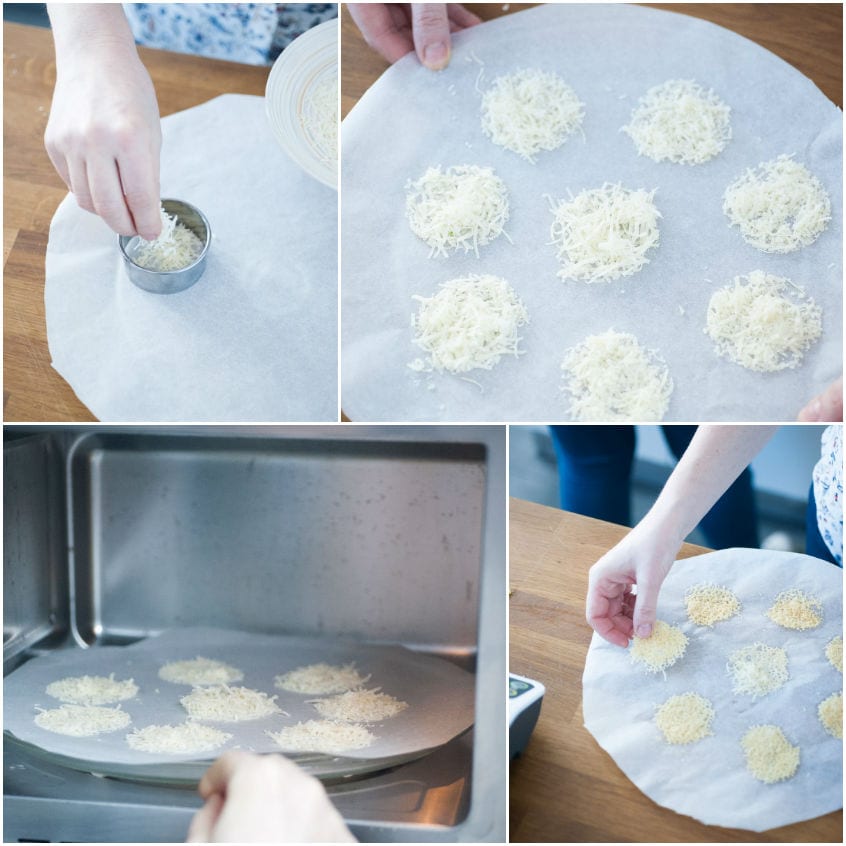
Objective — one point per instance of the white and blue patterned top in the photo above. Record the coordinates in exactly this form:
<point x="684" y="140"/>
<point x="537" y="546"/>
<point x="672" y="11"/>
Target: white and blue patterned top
<point x="828" y="491"/>
<point x="253" y="33"/>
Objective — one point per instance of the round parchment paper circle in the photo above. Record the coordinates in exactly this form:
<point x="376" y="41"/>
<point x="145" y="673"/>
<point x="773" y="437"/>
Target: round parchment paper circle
<point x="708" y="780"/>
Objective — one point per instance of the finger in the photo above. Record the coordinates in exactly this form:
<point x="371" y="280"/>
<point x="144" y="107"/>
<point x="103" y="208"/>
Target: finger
<point x="59" y="162"/>
<point x="203" y="822"/>
<point x="217" y="776"/>
<point x="825" y="408"/>
<point x="107" y="196"/>
<point x="139" y="177"/>
<point x="430" y="29"/>
<point x="461" y="17"/>
<point x="646" y="607"/>
<point x="78" y="176"/>
<point x="381" y="30"/>
<point x="606" y="629"/>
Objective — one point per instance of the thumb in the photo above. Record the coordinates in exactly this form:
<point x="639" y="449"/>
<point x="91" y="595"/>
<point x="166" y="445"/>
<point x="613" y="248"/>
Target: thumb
<point x="646" y="607"/>
<point x="430" y="29"/>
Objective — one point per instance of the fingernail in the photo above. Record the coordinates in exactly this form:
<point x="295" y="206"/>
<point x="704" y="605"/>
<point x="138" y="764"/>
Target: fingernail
<point x="436" y="56"/>
<point x="644" y="630"/>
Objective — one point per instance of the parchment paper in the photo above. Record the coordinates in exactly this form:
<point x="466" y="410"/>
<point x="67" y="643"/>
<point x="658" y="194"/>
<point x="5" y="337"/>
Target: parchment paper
<point x="412" y="118"/>
<point x="255" y="339"/>
<point x="439" y="694"/>
<point x="708" y="780"/>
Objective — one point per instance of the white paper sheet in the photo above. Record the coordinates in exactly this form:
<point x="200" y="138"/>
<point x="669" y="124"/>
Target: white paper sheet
<point x="412" y="118"/>
<point x="255" y="339"/>
<point x="708" y="780"/>
<point x="439" y="694"/>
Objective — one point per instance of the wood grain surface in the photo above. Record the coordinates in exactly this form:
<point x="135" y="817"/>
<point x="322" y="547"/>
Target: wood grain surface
<point x="565" y="787"/>
<point x="32" y="390"/>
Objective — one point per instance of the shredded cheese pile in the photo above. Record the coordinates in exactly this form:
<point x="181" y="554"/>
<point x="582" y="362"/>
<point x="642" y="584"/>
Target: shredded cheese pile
<point x="463" y="207"/>
<point x="320" y="118"/>
<point x="326" y="736"/>
<point x="199" y="671"/>
<point x="360" y="706"/>
<point x="679" y="121"/>
<point x="834" y="653"/>
<point x="661" y="650"/>
<point x="763" y="322"/>
<point x="321" y="678"/>
<point x="604" y="233"/>
<point x="794" y="609"/>
<point x="225" y="704"/>
<point x="758" y="669"/>
<point x="175" y="248"/>
<point x="611" y="377"/>
<point x="708" y="604"/>
<point x="470" y="323"/>
<point x="92" y="690"/>
<point x="685" y="718"/>
<point x="830" y="713"/>
<point x="183" y="739"/>
<point x="530" y="110"/>
<point x="780" y="207"/>
<point x="82" y="720"/>
<point x="769" y="755"/>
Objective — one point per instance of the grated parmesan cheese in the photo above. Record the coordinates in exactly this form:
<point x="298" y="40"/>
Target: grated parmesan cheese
<point x="763" y="322"/>
<point x="604" y="233"/>
<point x="326" y="736"/>
<point x="463" y="207"/>
<point x="758" y="669"/>
<point x="176" y="248"/>
<point x="685" y="718"/>
<point x="769" y="755"/>
<point x="679" y="121"/>
<point x="830" y="713"/>
<point x="611" y="377"/>
<point x="183" y="739"/>
<point x="320" y="118"/>
<point x="708" y="604"/>
<point x="360" y="706"/>
<point x="199" y="671"/>
<point x="92" y="690"/>
<point x="82" y="720"/>
<point x="780" y="207"/>
<point x="321" y="678"/>
<point x="530" y="110"/>
<point x="226" y="704"/>
<point x="470" y="323"/>
<point x="661" y="649"/>
<point x="834" y="653"/>
<point x="794" y="609"/>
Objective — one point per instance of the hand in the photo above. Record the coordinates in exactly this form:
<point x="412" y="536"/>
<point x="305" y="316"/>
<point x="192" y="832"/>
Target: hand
<point x="394" y="29"/>
<point x="263" y="799"/>
<point x="827" y="407"/>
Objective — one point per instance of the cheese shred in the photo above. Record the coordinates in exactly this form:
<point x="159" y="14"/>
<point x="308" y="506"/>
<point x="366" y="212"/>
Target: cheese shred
<point x="830" y="713"/>
<point x="329" y="737"/>
<point x="225" y="704"/>
<point x="685" y="718"/>
<point x="758" y="669"/>
<point x="82" y="720"/>
<point x="321" y="678"/>
<point x="770" y="757"/>
<point x="199" y="671"/>
<point x="360" y="706"/>
<point x="708" y="604"/>
<point x="92" y="690"/>
<point x="834" y="653"/>
<point x="183" y="739"/>
<point x="794" y="609"/>
<point x="661" y="649"/>
<point x="176" y="248"/>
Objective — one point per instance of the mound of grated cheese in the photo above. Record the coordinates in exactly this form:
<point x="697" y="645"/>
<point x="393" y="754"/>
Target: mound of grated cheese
<point x="758" y="669"/>
<point x="708" y="604"/>
<point x="685" y="718"/>
<point x="530" y="110"/>
<point x="175" y="248"/>
<point x="611" y="377"/>
<point x="779" y="207"/>
<point x="794" y="609"/>
<point x="326" y="736"/>
<point x="470" y="323"/>
<point x="661" y="650"/>
<point x="360" y="706"/>
<point x="830" y="713"/>
<point x="463" y="207"/>
<point x="769" y="755"/>
<point x="320" y="118"/>
<point x="321" y="678"/>
<point x="763" y="322"/>
<point x="92" y="690"/>
<point x="834" y="653"/>
<point x="199" y="671"/>
<point x="82" y="720"/>
<point x="183" y="739"/>
<point x="604" y="233"/>
<point x="226" y="704"/>
<point x="679" y="121"/>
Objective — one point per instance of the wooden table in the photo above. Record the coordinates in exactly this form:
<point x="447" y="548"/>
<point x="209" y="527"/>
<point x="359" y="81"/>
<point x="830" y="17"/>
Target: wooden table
<point x="32" y="190"/>
<point x="565" y="787"/>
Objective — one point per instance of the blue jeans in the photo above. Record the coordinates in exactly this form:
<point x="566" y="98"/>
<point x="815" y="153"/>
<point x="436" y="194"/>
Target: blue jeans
<point x="595" y="465"/>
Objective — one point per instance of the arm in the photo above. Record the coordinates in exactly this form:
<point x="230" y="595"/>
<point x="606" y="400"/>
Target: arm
<point x="715" y="458"/>
<point x="104" y="134"/>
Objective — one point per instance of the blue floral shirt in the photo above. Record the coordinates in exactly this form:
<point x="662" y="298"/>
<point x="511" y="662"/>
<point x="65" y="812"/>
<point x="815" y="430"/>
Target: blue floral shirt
<point x="253" y="33"/>
<point x="828" y="491"/>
